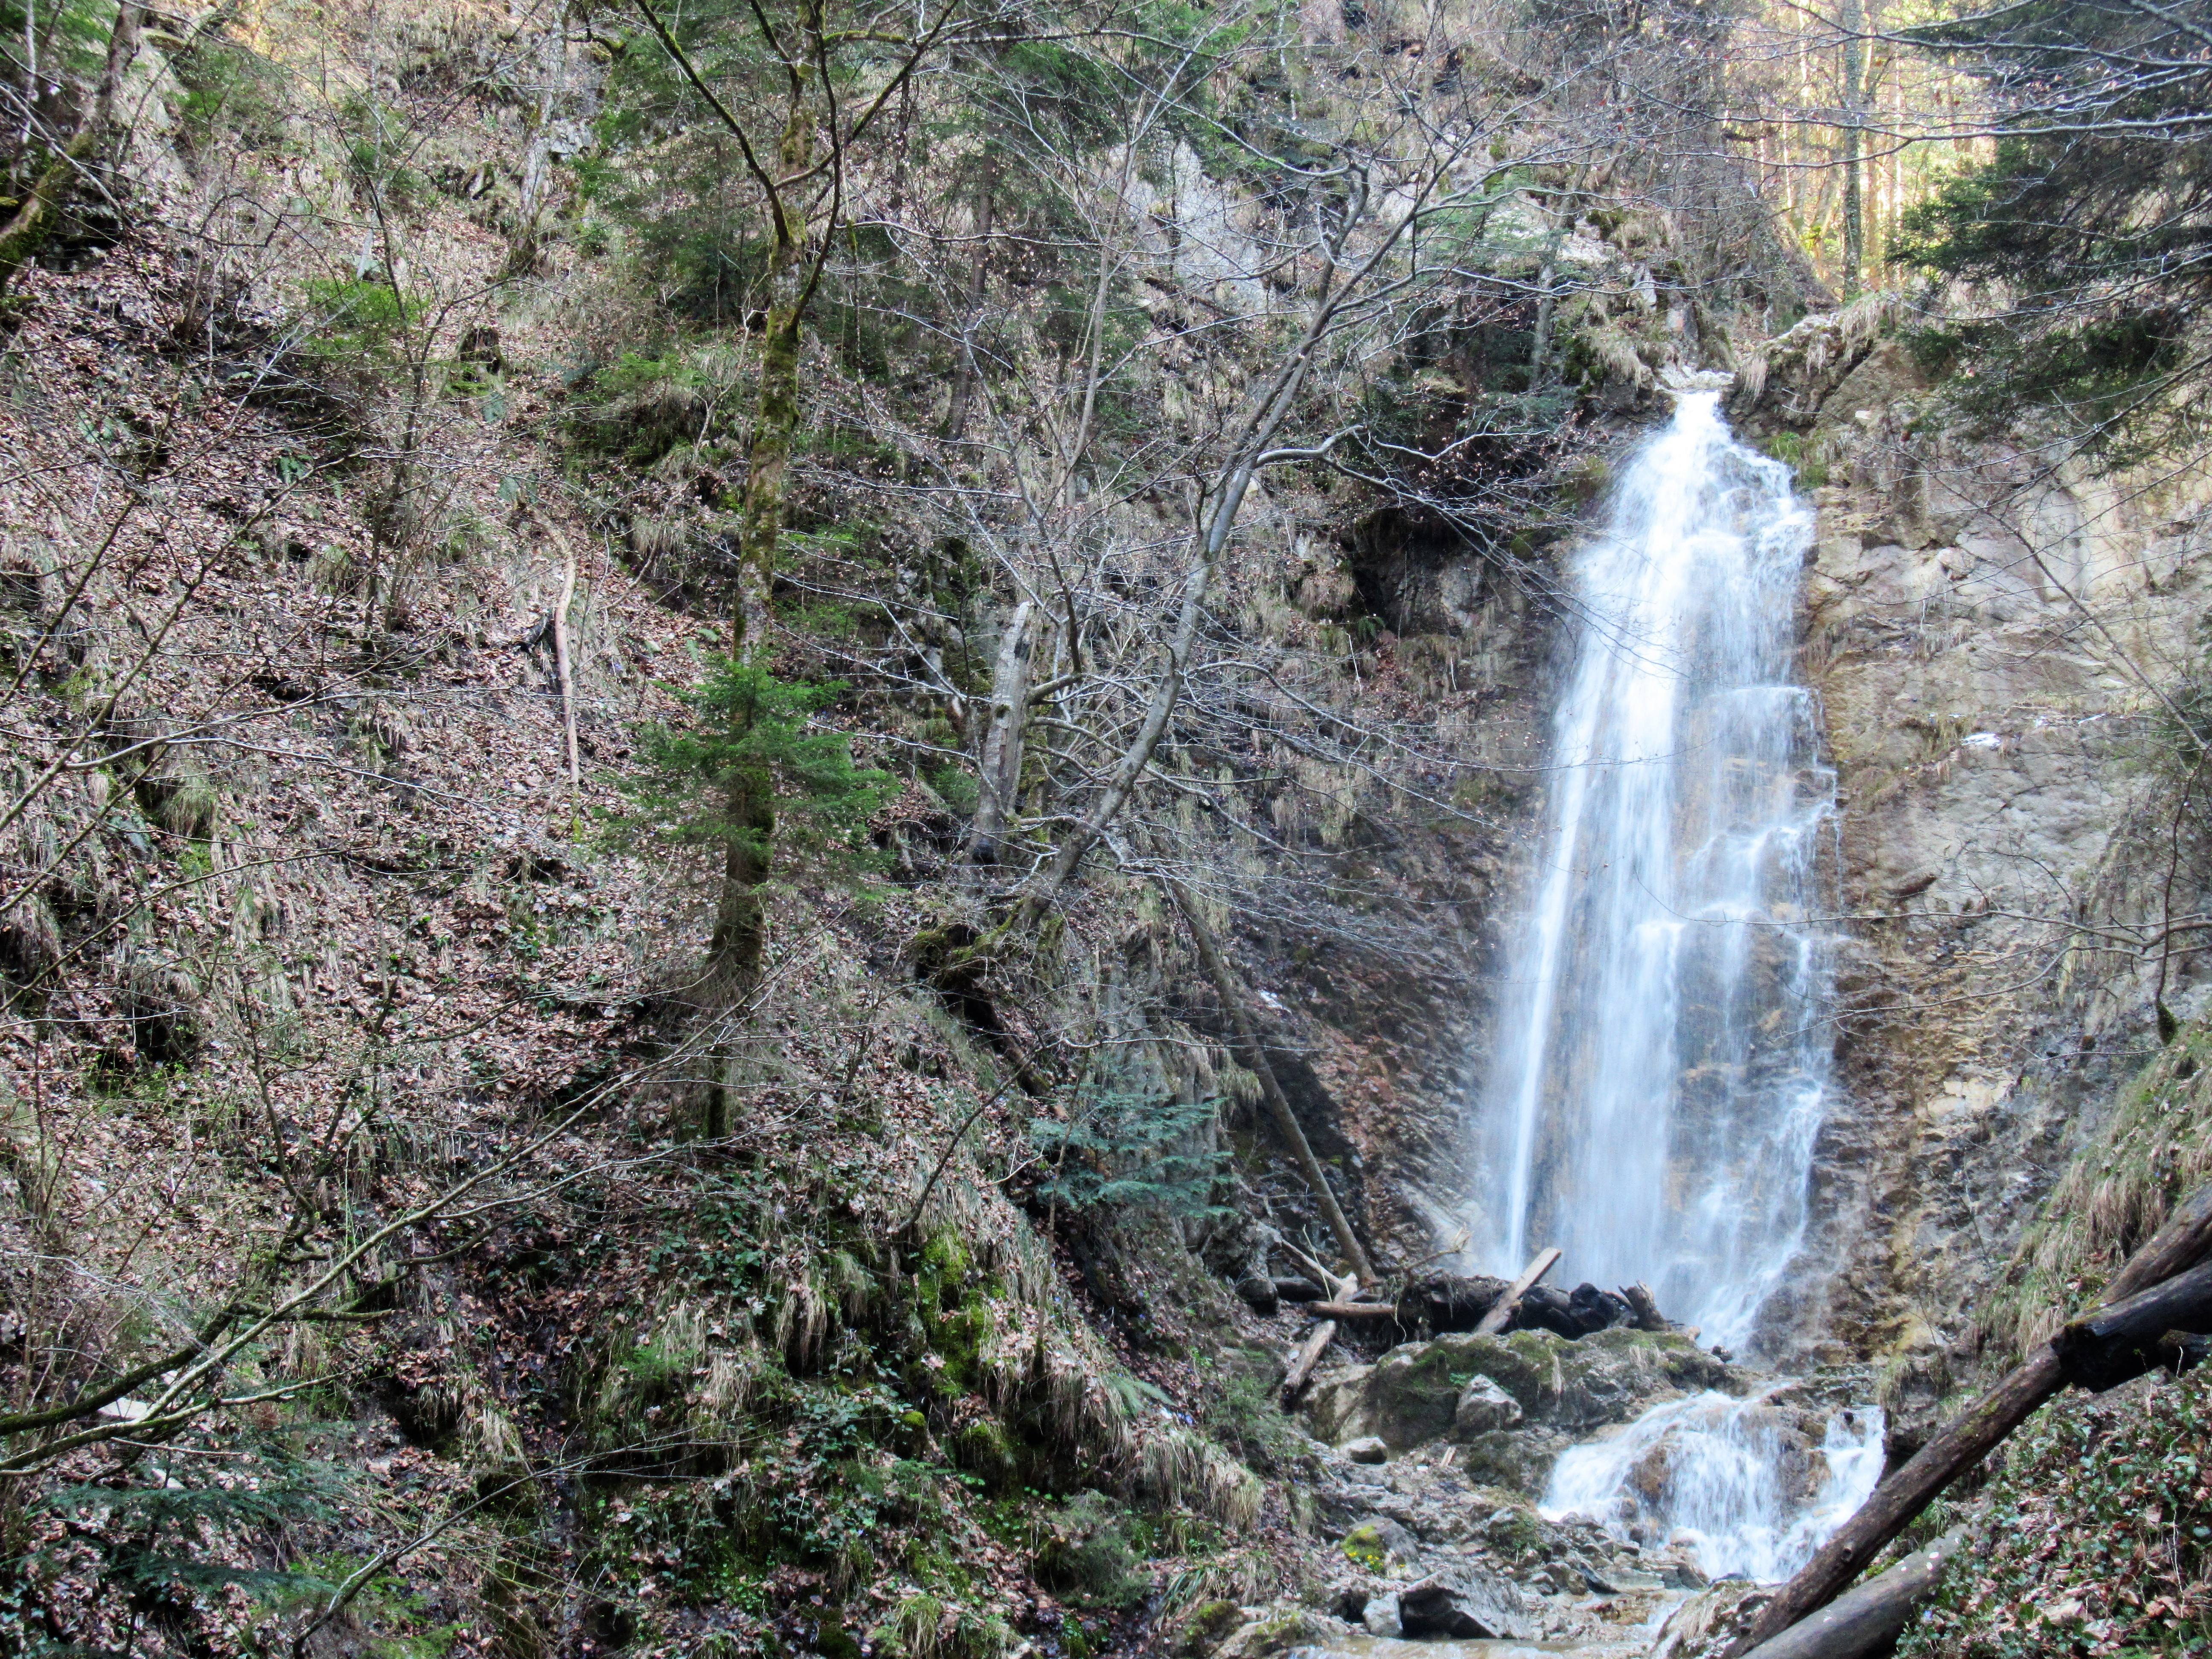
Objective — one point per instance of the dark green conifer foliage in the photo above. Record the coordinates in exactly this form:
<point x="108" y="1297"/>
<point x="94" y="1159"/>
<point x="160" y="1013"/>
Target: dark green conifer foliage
<point x="2095" y="216"/>
<point x="755" y="733"/>
<point x="1123" y="1148"/>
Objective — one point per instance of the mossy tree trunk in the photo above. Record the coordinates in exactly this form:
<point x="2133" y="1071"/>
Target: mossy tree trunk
<point x="796" y="191"/>
<point x="740" y="921"/>
<point x="42" y="207"/>
<point x="1853" y="21"/>
<point x="1000" y="758"/>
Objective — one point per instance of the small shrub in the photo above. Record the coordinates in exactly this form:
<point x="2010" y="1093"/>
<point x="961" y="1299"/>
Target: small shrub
<point x="757" y="732"/>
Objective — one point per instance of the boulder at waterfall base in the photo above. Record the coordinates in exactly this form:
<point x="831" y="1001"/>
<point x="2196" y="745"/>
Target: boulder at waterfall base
<point x="1466" y="1603"/>
<point x="1537" y="1380"/>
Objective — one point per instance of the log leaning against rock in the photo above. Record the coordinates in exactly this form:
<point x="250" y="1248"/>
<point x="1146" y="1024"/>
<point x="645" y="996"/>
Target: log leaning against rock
<point x="1503" y="1310"/>
<point x="1866" y="1620"/>
<point x="1309" y="1356"/>
<point x="2185" y="1240"/>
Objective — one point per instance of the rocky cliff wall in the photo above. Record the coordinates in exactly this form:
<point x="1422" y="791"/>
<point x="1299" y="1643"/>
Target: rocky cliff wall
<point x="2003" y="641"/>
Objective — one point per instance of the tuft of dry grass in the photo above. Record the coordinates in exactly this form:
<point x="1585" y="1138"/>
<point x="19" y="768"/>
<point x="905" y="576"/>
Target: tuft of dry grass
<point x="2119" y="1189"/>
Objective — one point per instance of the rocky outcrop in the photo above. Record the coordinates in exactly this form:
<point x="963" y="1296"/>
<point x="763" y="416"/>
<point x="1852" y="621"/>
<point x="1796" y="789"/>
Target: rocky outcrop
<point x="1511" y="1404"/>
<point x="1465" y="1602"/>
<point x="1428" y="1552"/>
<point x="1998" y="635"/>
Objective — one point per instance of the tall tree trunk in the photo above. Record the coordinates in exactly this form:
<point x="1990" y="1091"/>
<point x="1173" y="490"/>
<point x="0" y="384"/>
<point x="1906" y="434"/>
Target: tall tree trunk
<point x="1000" y="763"/>
<point x="1852" y="22"/>
<point x="740" y="914"/>
<point x="963" y="377"/>
<point x="34" y="220"/>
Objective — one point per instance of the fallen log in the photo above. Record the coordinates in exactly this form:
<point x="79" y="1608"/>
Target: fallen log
<point x="1866" y="1620"/>
<point x="1254" y="1054"/>
<point x="2185" y="1240"/>
<point x="1353" y="1309"/>
<point x="1503" y="1310"/>
<point x="2120" y="1343"/>
<point x="1302" y="1367"/>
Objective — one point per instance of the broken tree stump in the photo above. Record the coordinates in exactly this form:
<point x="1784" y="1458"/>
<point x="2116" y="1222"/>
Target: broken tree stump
<point x="2120" y="1343"/>
<point x="1645" y="1306"/>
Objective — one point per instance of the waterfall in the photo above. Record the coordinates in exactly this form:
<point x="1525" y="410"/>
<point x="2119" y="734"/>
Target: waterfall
<point x="1661" y="1069"/>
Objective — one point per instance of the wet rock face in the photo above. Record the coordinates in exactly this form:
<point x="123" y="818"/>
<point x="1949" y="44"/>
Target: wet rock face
<point x="1795" y="1463"/>
<point x="1988" y="751"/>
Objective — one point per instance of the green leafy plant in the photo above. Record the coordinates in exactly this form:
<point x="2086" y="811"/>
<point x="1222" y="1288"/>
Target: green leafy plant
<point x="1089" y="1555"/>
<point x="357" y="319"/>
<point x="171" y="1543"/>
<point x="2096" y="1538"/>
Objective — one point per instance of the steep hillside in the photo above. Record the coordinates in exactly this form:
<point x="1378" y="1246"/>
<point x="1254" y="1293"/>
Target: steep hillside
<point x="764" y="769"/>
<point x="412" y="1246"/>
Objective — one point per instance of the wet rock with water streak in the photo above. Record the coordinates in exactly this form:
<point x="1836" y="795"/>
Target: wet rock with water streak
<point x="1707" y="1625"/>
<point x="1484" y="1408"/>
<point x="1335" y="1404"/>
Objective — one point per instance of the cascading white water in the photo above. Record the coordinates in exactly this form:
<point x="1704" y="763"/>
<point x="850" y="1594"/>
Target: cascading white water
<point x="1729" y="1480"/>
<point x="1662" y="1070"/>
<point x="1660" y="1073"/>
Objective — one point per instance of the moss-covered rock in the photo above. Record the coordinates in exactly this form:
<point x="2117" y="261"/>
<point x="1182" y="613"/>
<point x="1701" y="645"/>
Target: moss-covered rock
<point x="1412" y="1395"/>
<point x="984" y="1449"/>
<point x="1378" y="1544"/>
<point x="1279" y="1628"/>
<point x="1203" y="1625"/>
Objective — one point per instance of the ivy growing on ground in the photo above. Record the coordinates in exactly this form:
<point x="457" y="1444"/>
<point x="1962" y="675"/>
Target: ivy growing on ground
<point x="2096" y="1540"/>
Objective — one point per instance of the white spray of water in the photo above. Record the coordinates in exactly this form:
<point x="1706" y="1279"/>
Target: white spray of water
<point x="1731" y="1479"/>
<point x="1660" y="1077"/>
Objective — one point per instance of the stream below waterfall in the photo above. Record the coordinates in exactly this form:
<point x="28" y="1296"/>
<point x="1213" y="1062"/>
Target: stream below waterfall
<point x="1663" y="1063"/>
